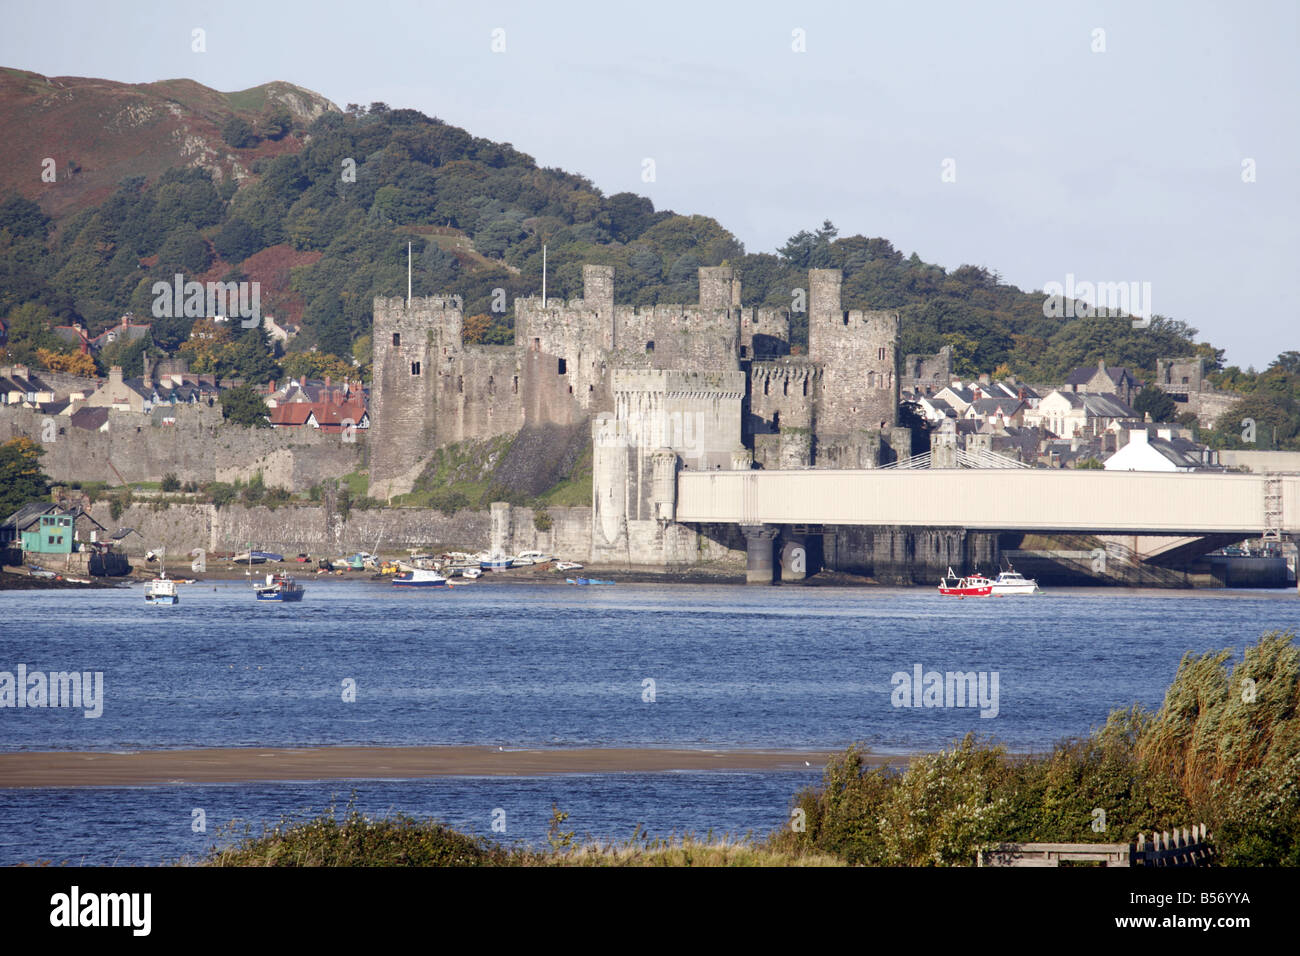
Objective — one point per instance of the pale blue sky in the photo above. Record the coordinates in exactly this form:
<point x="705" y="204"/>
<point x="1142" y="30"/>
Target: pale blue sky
<point x="1123" y="165"/>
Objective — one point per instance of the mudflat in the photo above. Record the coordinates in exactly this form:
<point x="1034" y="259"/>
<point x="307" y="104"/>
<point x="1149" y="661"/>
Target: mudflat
<point x="246" y="764"/>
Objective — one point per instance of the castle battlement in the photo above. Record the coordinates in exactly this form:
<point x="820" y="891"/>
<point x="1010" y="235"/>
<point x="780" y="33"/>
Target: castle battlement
<point x="575" y="358"/>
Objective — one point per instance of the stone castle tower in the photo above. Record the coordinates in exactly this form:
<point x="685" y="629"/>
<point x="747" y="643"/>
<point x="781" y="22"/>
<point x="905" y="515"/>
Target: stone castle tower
<point x="710" y="385"/>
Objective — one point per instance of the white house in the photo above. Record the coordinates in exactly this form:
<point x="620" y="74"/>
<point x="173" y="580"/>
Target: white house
<point x="1161" y="453"/>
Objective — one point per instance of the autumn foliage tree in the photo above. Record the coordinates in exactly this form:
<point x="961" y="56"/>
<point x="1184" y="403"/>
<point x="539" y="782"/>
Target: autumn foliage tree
<point x="74" y="363"/>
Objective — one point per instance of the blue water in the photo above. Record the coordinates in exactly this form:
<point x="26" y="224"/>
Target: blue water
<point x="532" y="665"/>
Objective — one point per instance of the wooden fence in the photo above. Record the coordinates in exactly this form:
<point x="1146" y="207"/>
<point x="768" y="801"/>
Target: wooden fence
<point x="1180" y="848"/>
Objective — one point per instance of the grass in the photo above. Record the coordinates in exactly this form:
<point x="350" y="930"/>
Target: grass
<point x="573" y="491"/>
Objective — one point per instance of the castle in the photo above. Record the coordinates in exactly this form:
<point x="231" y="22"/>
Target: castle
<point x="664" y="387"/>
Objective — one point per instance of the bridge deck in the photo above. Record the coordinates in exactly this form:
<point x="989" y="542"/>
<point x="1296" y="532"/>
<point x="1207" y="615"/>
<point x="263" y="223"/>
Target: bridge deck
<point x="1122" y="502"/>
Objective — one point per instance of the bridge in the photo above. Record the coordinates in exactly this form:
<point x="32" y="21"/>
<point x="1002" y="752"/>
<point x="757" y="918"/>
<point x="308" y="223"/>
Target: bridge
<point x="1214" y="506"/>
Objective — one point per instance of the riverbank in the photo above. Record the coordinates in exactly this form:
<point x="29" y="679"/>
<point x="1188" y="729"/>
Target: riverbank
<point x="249" y="764"/>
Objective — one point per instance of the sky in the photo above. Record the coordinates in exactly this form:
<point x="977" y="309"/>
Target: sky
<point x="1148" y="141"/>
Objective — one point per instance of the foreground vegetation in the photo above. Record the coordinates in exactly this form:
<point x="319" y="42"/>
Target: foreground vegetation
<point x="1223" y="749"/>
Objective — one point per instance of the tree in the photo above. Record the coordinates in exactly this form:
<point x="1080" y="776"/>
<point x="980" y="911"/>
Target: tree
<point x="238" y="133"/>
<point x="74" y="363"/>
<point x="475" y="328"/>
<point x="29" y="331"/>
<point x="236" y="241"/>
<point x="243" y="406"/>
<point x="21" y="478"/>
<point x="1151" y="400"/>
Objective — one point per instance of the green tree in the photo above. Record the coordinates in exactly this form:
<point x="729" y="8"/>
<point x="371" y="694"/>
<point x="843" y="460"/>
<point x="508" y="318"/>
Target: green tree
<point x="243" y="406"/>
<point x="238" y="133"/>
<point x="21" y="477"/>
<point x="1151" y="400"/>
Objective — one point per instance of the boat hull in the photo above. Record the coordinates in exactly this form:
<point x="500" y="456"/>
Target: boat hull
<point x="280" y="597"/>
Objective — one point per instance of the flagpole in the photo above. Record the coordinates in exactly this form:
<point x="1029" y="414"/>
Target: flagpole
<point x="543" y="275"/>
<point x="408" y="275"/>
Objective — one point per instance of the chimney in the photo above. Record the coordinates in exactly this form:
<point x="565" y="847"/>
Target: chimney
<point x="270" y="387"/>
<point x="1101" y="365"/>
<point x="327" y="381"/>
<point x="115" y="375"/>
<point x="148" y="371"/>
<point x="1138" y="436"/>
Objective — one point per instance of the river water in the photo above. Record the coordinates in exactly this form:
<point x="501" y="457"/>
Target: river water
<point x="525" y="664"/>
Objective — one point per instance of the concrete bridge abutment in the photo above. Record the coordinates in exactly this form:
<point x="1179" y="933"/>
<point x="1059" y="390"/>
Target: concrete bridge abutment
<point x="759" y="567"/>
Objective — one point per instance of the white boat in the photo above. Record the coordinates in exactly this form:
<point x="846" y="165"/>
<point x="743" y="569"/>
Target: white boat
<point x="525" y="558"/>
<point x="497" y="562"/>
<point x="162" y="591"/>
<point x="419" y="578"/>
<point x="568" y="566"/>
<point x="1011" y="582"/>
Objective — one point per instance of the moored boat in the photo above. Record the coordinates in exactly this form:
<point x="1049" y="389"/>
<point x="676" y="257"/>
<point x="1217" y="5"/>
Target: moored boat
<point x="279" y="587"/>
<point x="419" y="578"/>
<point x="162" y="591"/>
<point x="1011" y="581"/>
<point x="974" y="585"/>
<point x="497" y="562"/>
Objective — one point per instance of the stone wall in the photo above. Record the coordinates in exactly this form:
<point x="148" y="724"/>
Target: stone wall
<point x="197" y="446"/>
<point x="292" y="530"/>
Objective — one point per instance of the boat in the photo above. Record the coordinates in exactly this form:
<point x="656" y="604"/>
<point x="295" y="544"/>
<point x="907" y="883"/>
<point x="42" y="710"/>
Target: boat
<point x="162" y="591"/>
<point x="419" y="578"/>
<point x="278" y="587"/>
<point x="586" y="581"/>
<point x="527" y="558"/>
<point x="1011" y="581"/>
<point x="257" y="557"/>
<point x="496" y="562"/>
<point x="975" y="585"/>
<point x="568" y="566"/>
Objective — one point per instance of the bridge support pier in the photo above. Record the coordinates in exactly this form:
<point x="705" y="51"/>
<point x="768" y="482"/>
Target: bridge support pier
<point x="794" y="557"/>
<point x="758" y="551"/>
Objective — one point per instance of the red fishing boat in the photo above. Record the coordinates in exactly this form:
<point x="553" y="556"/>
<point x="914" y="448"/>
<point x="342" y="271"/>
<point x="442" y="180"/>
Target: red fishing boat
<point x="975" y="585"/>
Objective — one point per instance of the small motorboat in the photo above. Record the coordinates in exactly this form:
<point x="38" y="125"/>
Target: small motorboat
<point x="1011" y="581"/>
<point x="497" y="562"/>
<point x="568" y="566"/>
<point x="419" y="578"/>
<point x="585" y="581"/>
<point x="975" y="585"/>
<point x="161" y="591"/>
<point x="279" y="587"/>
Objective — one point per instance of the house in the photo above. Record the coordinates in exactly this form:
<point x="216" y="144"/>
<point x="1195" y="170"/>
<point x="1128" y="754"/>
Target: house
<point x="1102" y="380"/>
<point x="1004" y="410"/>
<point x="1066" y="414"/>
<point x="1162" y="452"/>
<point x="124" y="331"/>
<point x="959" y="397"/>
<point x="41" y="527"/>
<point x="119" y="394"/>
<point x="19" y="386"/>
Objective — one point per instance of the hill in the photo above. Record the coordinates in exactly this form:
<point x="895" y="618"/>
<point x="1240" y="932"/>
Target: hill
<point x="319" y="206"/>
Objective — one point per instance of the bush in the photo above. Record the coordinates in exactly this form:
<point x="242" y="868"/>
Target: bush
<point x="542" y="520"/>
<point x="119" y="503"/>
<point x="448" y="501"/>
<point x="220" y="493"/>
<point x="170" y="482"/>
<point x="359" y="841"/>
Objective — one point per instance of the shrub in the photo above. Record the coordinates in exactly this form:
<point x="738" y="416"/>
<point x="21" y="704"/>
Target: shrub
<point x="542" y="520"/>
<point x="170" y="482"/>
